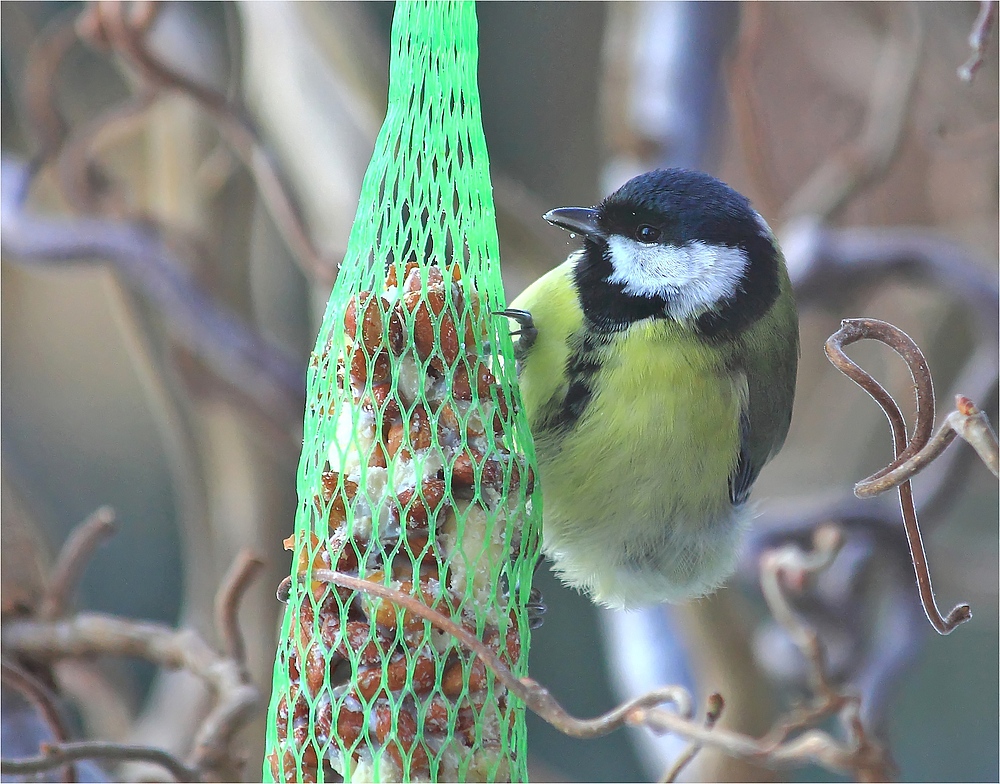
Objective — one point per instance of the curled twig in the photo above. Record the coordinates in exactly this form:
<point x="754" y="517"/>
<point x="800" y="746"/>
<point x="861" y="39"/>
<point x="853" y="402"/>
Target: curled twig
<point x="851" y="331"/>
<point x="42" y="699"/>
<point x="859" y="755"/>
<point x="234" y="585"/>
<point x="532" y="693"/>
<point x="54" y="754"/>
<point x="978" y="38"/>
<point x="271" y="381"/>
<point x="41" y="65"/>
<point x="95" y="634"/>
<point x="73" y="558"/>
<point x="966" y="421"/>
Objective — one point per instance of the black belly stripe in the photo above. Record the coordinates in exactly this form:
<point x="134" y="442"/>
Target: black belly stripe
<point x="568" y="405"/>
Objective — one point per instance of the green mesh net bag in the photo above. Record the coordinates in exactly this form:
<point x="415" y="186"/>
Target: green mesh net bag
<point x="416" y="470"/>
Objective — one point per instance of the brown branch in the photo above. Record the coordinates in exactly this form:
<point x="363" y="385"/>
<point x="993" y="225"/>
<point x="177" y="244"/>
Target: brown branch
<point x="862" y="160"/>
<point x="73" y="557"/>
<point x="532" y="693"/>
<point x="968" y="422"/>
<point x="234" y="585"/>
<point x="94" y="634"/>
<point x="41" y="66"/>
<point x="43" y="700"/>
<point x="851" y="331"/>
<point x="979" y="36"/>
<point x="715" y="706"/>
<point x="777" y="565"/>
<point x="77" y="169"/>
<point x="54" y="754"/>
<point x="119" y="28"/>
<point x="859" y="755"/>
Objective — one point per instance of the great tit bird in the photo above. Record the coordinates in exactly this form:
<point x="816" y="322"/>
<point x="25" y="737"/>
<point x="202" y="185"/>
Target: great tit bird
<point x="657" y="370"/>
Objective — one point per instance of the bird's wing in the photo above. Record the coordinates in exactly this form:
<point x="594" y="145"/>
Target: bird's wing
<point x="764" y="420"/>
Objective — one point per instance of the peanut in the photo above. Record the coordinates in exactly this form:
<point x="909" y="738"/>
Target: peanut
<point x="402" y="740"/>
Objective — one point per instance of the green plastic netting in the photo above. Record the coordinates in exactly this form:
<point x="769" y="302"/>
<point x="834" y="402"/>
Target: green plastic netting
<point x="417" y="467"/>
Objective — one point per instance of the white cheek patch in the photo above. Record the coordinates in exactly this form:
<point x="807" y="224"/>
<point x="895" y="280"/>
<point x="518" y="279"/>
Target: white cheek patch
<point x="691" y="277"/>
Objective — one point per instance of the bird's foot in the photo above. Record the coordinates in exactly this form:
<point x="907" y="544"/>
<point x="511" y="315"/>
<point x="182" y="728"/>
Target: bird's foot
<point x="528" y="332"/>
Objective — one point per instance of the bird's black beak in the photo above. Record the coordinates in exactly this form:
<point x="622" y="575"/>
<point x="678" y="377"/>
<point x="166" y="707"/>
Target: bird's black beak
<point x="582" y="220"/>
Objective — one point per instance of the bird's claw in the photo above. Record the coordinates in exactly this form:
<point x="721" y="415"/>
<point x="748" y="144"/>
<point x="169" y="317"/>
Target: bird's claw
<point x="527" y="332"/>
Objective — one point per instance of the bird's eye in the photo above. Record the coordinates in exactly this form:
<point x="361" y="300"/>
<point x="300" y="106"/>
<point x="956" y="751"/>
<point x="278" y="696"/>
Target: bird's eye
<point x="647" y="233"/>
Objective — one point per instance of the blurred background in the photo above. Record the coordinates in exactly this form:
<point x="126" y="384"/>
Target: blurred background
<point x="165" y="378"/>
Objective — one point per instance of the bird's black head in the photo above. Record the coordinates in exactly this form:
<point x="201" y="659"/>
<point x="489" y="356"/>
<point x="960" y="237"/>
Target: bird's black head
<point x="677" y="244"/>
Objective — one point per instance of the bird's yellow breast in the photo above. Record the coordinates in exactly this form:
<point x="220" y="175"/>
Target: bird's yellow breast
<point x="658" y="438"/>
<point x="643" y="473"/>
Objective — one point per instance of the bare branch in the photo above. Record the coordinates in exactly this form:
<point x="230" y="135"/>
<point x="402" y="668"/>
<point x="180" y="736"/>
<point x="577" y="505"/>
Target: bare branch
<point x="715" y="706"/>
<point x="532" y="693"/>
<point x="234" y="585"/>
<point x="859" y="755"/>
<point x="125" y="33"/>
<point x="778" y="564"/>
<point x="73" y="558"/>
<point x="43" y="700"/>
<point x="42" y="64"/>
<point x="94" y="634"/>
<point x="750" y="127"/>
<point x="973" y="426"/>
<point x="851" y="331"/>
<point x="54" y="754"/>
<point x="978" y="38"/>
<point x="864" y="159"/>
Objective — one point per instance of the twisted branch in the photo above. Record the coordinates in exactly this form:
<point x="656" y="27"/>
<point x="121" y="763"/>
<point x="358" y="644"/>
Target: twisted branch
<point x="905" y="463"/>
<point x="860" y="755"/>
<point x="44" y="639"/>
<point x="123" y="29"/>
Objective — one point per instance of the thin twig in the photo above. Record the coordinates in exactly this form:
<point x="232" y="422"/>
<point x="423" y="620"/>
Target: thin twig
<point x="234" y="585"/>
<point x="54" y="754"/>
<point x="851" y="331"/>
<point x="860" y="755"/>
<point x="978" y="38"/>
<point x="858" y="163"/>
<point x="972" y="425"/>
<point x="129" y="40"/>
<point x="533" y="694"/>
<point x="43" y="700"/>
<point x="715" y="706"/>
<point x="777" y="564"/>
<point x="73" y="558"/>
<point x="93" y="634"/>
<point x="96" y="634"/>
<point x="76" y="166"/>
